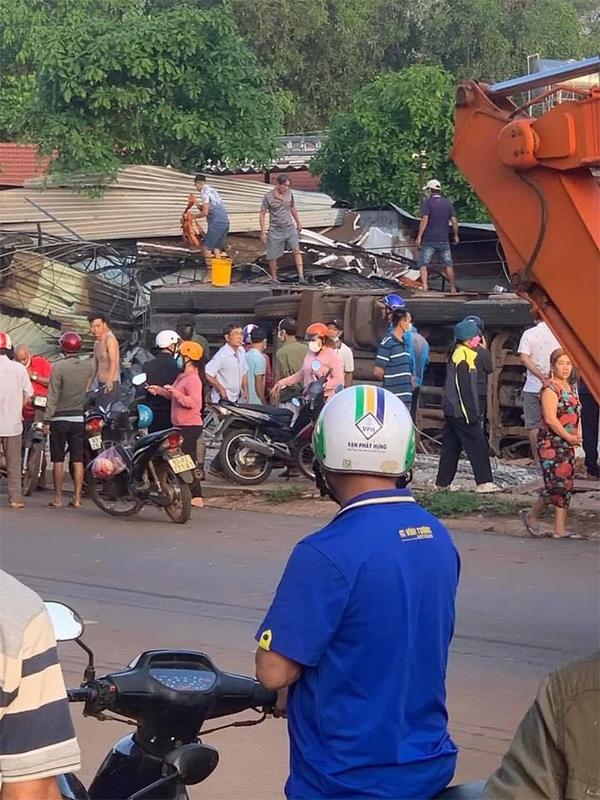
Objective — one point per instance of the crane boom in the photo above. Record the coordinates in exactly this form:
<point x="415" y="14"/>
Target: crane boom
<point x="533" y="175"/>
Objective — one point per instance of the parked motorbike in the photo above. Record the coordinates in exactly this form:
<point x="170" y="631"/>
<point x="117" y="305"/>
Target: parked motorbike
<point x="33" y="460"/>
<point x="256" y="438"/>
<point x="168" y="695"/>
<point x="154" y="470"/>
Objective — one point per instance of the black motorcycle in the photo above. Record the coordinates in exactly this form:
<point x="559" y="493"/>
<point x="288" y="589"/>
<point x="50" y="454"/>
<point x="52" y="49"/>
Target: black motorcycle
<point x="257" y="438"/>
<point x="168" y="695"/>
<point x="33" y="451"/>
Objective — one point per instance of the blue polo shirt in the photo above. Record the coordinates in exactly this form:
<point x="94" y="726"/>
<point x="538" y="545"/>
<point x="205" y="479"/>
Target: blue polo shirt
<point x="366" y="605"/>
<point x="393" y="355"/>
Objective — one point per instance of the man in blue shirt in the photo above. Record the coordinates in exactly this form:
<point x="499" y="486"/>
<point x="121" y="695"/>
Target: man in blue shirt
<point x="393" y="363"/>
<point x="437" y="212"/>
<point x="362" y="619"/>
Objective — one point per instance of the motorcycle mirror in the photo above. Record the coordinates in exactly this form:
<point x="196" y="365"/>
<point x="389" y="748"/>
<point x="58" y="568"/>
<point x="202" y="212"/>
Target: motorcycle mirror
<point x="140" y="379"/>
<point x="67" y="623"/>
<point x="193" y="762"/>
<point x="296" y="402"/>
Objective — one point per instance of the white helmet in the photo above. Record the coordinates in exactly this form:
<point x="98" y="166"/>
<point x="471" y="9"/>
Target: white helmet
<point x="165" y="339"/>
<point x="366" y="430"/>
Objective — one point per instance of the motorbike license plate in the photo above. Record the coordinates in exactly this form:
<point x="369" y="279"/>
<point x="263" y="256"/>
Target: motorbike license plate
<point x="40" y="401"/>
<point x="181" y="464"/>
<point x="95" y="442"/>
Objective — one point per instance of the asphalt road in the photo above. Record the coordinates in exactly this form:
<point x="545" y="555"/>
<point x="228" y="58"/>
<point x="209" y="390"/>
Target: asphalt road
<point x="525" y="607"/>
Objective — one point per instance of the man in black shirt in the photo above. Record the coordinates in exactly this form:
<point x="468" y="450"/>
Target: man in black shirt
<point x="162" y="371"/>
<point x="485" y="367"/>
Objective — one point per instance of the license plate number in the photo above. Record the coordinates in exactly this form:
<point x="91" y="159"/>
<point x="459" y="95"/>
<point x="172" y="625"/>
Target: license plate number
<point x="181" y="464"/>
<point x="95" y="442"/>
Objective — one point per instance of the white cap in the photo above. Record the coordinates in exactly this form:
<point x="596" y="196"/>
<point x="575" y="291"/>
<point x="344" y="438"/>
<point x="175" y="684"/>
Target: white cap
<point x="433" y="184"/>
<point x="165" y="339"/>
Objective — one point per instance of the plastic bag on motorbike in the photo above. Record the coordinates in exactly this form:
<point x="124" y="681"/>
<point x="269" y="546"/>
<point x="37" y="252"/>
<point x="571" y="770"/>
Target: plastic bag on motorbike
<point x="108" y="464"/>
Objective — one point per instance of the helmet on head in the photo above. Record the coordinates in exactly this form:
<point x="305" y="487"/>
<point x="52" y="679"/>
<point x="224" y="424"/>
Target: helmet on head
<point x="465" y="330"/>
<point x="246" y="331"/>
<point x="361" y="416"/>
<point x="433" y="184"/>
<point x="5" y="341"/>
<point x="191" y="350"/>
<point x="70" y="342"/>
<point x="393" y="302"/>
<point x="166" y="339"/>
<point x="316" y="329"/>
<point x="145" y="416"/>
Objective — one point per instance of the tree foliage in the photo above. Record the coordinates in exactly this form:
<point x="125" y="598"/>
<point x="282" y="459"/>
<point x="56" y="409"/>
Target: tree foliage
<point x="373" y="153"/>
<point x="106" y="81"/>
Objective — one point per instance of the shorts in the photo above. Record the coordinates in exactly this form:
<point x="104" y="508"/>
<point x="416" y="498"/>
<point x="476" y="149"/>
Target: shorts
<point x="66" y="436"/>
<point x="216" y="235"/>
<point x="428" y="249"/>
<point x="532" y="410"/>
<point x="278" y="241"/>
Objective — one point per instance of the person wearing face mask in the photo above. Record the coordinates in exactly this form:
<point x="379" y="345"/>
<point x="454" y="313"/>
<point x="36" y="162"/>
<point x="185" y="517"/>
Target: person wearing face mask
<point x="336" y="328"/>
<point x="322" y="361"/>
<point x="393" y="363"/>
<point x="289" y="358"/>
<point x="462" y="418"/>
<point x="185" y="401"/>
<point x="162" y="371"/>
<point x="376" y="586"/>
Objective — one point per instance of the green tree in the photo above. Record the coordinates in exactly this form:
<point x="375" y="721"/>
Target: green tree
<point x="113" y="81"/>
<point x="368" y="155"/>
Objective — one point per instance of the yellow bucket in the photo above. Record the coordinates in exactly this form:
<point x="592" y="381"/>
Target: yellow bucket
<point x="221" y="271"/>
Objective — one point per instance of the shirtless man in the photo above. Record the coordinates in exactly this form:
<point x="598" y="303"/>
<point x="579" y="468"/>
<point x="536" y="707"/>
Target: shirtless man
<point x="106" y="354"/>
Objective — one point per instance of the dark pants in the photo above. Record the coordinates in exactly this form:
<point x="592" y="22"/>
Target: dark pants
<point x="414" y="403"/>
<point x="589" y="430"/>
<point x="458" y="436"/>
<point x="191" y="434"/>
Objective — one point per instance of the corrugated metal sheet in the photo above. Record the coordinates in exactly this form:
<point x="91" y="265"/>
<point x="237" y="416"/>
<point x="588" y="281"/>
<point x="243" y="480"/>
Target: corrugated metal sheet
<point x="56" y="293"/>
<point x="146" y="202"/>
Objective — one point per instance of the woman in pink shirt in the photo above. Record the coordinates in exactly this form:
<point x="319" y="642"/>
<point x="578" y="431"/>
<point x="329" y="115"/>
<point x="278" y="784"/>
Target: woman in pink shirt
<point x="186" y="407"/>
<point x="322" y="360"/>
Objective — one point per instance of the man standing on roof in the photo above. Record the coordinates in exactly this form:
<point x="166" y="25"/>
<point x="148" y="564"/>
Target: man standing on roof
<point x="437" y="212"/>
<point x="284" y="226"/>
<point x="213" y="208"/>
<point x="15" y="391"/>
<point x="361" y="622"/>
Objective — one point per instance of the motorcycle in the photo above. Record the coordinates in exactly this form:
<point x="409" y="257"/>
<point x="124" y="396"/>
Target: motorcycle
<point x="154" y="470"/>
<point x="168" y="695"/>
<point x="256" y="438"/>
<point x="33" y="460"/>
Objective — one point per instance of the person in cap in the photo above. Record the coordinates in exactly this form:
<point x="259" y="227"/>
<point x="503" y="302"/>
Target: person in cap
<point x="485" y="367"/>
<point x="185" y="398"/>
<point x="15" y="392"/>
<point x="462" y="416"/>
<point x="321" y="361"/>
<point x="336" y="329"/>
<point x="393" y="363"/>
<point x="361" y="622"/>
<point x="212" y="208"/>
<point x="162" y="370"/>
<point x="64" y="415"/>
<point x="437" y="214"/>
<point x="284" y="226"/>
<point x="289" y="357"/>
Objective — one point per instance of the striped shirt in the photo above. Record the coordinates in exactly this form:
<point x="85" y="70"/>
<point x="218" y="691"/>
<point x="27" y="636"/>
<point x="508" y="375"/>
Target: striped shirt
<point x="395" y="360"/>
<point x="37" y="739"/>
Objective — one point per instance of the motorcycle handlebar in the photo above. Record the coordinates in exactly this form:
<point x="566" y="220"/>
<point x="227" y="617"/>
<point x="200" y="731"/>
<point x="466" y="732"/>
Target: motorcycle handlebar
<point x="81" y="695"/>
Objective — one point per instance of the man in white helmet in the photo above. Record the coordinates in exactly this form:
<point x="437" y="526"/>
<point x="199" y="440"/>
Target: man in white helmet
<point x="162" y="371"/>
<point x="361" y="623"/>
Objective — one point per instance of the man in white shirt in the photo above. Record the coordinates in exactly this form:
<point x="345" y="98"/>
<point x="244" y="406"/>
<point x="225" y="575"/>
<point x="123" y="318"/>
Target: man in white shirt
<point x="535" y="348"/>
<point x="227" y="371"/>
<point x="336" y="328"/>
<point x="15" y="391"/>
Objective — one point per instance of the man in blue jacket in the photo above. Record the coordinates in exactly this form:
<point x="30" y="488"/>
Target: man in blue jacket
<point x="362" y="619"/>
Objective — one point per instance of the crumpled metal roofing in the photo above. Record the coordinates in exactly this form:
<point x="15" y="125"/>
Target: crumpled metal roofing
<point x="145" y="202"/>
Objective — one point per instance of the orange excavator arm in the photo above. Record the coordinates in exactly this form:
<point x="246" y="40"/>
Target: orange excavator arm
<point x="533" y="175"/>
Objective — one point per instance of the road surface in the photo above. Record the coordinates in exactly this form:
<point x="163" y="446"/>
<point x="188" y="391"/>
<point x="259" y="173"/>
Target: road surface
<point x="525" y="607"/>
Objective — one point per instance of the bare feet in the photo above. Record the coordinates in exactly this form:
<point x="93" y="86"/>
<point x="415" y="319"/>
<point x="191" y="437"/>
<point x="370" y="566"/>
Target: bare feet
<point x="198" y="502"/>
<point x="16" y="505"/>
<point x="55" y="503"/>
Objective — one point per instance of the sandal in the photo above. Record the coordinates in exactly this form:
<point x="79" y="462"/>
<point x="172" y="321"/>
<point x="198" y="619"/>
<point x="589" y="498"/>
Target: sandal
<point x="578" y="536"/>
<point x="535" y="532"/>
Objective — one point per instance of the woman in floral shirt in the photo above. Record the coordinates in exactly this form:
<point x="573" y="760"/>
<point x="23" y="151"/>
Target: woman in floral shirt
<point x="558" y="437"/>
